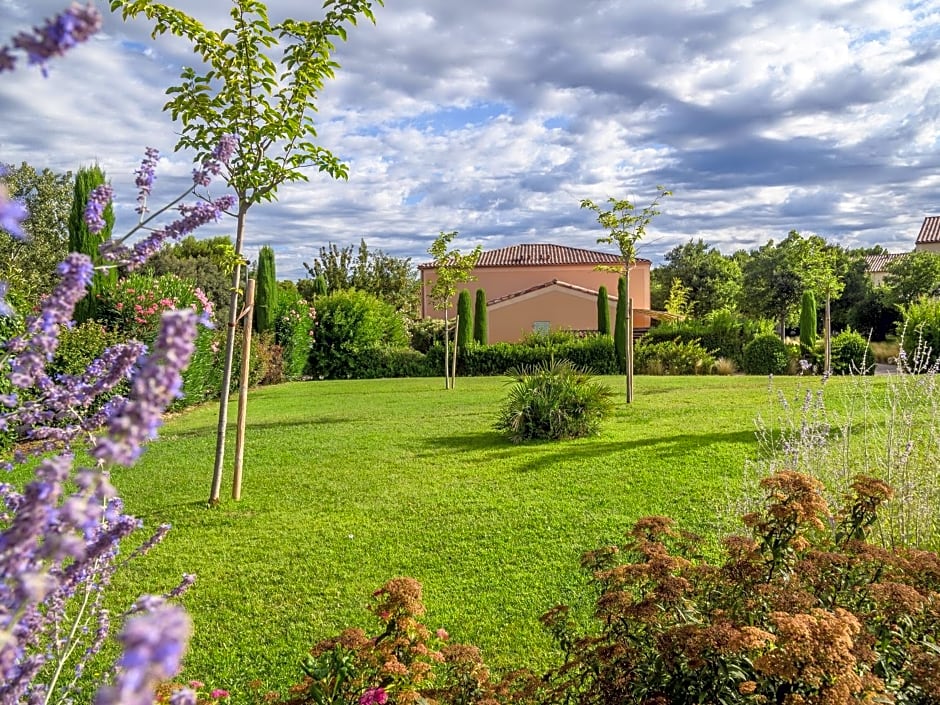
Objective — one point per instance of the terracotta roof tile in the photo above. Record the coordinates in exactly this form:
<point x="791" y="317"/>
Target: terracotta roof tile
<point x="930" y="230"/>
<point x="879" y="263"/>
<point x="541" y="255"/>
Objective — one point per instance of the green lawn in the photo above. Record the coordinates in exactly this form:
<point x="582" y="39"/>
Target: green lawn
<point x="350" y="483"/>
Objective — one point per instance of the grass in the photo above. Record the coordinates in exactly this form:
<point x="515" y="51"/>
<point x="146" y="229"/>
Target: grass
<point x="350" y="483"/>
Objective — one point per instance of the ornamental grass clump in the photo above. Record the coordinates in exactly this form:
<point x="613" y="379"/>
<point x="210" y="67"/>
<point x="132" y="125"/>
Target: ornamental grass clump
<point x="553" y="401"/>
<point x="886" y="427"/>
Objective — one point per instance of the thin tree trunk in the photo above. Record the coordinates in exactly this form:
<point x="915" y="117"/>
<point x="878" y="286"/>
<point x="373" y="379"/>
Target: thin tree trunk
<point x="243" y="391"/>
<point x="229" y="356"/>
<point x="628" y="338"/>
<point x="453" y="367"/>
<point x="828" y="325"/>
<point x="446" y="354"/>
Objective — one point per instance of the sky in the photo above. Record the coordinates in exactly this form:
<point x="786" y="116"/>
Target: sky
<point x="495" y="118"/>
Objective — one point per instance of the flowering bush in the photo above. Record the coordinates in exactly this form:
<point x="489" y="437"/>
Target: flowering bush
<point x="293" y="331"/>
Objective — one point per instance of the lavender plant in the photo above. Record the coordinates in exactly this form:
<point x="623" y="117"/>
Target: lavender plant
<point x="61" y="532"/>
<point x="887" y="428"/>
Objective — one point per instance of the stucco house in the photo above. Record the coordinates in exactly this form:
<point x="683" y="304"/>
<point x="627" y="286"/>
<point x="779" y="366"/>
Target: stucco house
<point x="538" y="287"/>
<point x="928" y="240"/>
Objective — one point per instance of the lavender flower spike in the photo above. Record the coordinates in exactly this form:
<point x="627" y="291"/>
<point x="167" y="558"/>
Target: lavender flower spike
<point x="154" y="643"/>
<point x="5" y="308"/>
<point x="70" y="27"/>
<point x="145" y="177"/>
<point x="212" y="166"/>
<point x="157" y="383"/>
<point x="12" y="213"/>
<point x="98" y="200"/>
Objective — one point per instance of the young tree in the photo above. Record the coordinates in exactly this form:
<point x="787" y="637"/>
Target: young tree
<point x="268" y="103"/>
<point x="464" y="320"/>
<point x="913" y="276"/>
<point x="774" y="279"/>
<point x="626" y="227"/>
<point x="480" y="323"/>
<point x="825" y="270"/>
<point x="266" y="291"/>
<point x="451" y="268"/>
<point x="603" y="311"/>
<point x="82" y="239"/>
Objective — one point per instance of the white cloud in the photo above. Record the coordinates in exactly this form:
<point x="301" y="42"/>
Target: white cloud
<point x="494" y="118"/>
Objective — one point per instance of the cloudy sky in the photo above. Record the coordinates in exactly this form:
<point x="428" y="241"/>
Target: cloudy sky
<point x="496" y="117"/>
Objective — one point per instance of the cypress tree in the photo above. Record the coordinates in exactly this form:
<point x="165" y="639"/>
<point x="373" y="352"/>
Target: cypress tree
<point x="480" y="332"/>
<point x="620" y="325"/>
<point x="603" y="311"/>
<point x="465" y="316"/>
<point x="808" y="321"/>
<point x="265" y="291"/>
<point x="81" y="239"/>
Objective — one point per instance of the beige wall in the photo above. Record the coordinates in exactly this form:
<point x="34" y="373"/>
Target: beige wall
<point x="501" y="281"/>
<point x="927" y="247"/>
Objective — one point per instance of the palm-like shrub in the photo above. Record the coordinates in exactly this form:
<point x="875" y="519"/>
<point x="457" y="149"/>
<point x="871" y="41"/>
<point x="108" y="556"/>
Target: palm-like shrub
<point x="553" y="401"/>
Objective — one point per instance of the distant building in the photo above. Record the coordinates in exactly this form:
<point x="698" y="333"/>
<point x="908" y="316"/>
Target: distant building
<point x="928" y="240"/>
<point x="546" y="287"/>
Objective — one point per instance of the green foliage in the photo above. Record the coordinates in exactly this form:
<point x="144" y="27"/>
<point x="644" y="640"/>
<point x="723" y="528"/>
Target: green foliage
<point x="765" y="355"/>
<point x="873" y="314"/>
<point x="28" y="266"/>
<point x="80" y="345"/>
<point x="852" y="354"/>
<point x="208" y="263"/>
<point x="673" y="357"/>
<point x="723" y="332"/>
<point x="773" y="278"/>
<point x="711" y="280"/>
<point x="620" y="325"/>
<point x="81" y="239"/>
<point x="481" y="333"/>
<point x="350" y="326"/>
<point x="678" y="302"/>
<point x="603" y="311"/>
<point x="625" y="226"/>
<point x="915" y="275"/>
<point x="392" y="279"/>
<point x="553" y="402"/>
<point x="808" y="333"/>
<point x="921" y="320"/>
<point x="293" y="332"/>
<point x="465" y="319"/>
<point x="426" y="333"/>
<point x="266" y="292"/>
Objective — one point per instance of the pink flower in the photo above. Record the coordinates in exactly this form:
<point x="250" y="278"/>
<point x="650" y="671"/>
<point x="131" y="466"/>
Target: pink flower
<point x="119" y="306"/>
<point x="221" y="693"/>
<point x="374" y="696"/>
<point x="196" y="684"/>
<point x="442" y="634"/>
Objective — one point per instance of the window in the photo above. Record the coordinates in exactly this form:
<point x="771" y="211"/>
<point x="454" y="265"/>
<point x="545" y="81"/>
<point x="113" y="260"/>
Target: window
<point x="542" y="326"/>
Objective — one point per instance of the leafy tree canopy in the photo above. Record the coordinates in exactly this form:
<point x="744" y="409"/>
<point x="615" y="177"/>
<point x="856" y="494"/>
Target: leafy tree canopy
<point x="710" y="280"/>
<point x="913" y="276"/>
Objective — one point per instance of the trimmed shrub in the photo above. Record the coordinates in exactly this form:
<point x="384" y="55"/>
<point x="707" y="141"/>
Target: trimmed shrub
<point x="266" y="292"/>
<point x="808" y="322"/>
<point x="553" y="402"/>
<point x="465" y="320"/>
<point x="480" y="323"/>
<point x="672" y="357"/>
<point x="722" y="332"/>
<point x="603" y="311"/>
<point x="350" y="324"/>
<point x="620" y="326"/>
<point x="852" y="354"/>
<point x="765" y="355"/>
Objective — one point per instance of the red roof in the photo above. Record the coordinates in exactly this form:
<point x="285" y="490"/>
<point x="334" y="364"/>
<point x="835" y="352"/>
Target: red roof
<point x="542" y="255"/>
<point x="930" y="230"/>
<point x="879" y="263"/>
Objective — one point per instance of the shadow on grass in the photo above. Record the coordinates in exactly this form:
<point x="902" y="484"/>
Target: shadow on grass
<point x="207" y="430"/>
<point x="470" y="442"/>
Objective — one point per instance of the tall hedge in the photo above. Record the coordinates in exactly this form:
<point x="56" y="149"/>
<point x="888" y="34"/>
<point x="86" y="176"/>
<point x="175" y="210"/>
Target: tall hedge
<point x="603" y="311"/>
<point x="480" y="323"/>
<point x="81" y="239"/>
<point x="620" y="325"/>
<point x="808" y="321"/>
<point x="265" y="291"/>
<point x="465" y="316"/>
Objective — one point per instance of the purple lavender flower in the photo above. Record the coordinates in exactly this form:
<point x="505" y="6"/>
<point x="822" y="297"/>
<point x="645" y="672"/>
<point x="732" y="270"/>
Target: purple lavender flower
<point x="145" y="177"/>
<point x="5" y="308"/>
<point x="12" y="214"/>
<point x="70" y="27"/>
<point x="154" y="643"/>
<point x="158" y="382"/>
<point x="212" y="166"/>
<point x="98" y="201"/>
